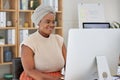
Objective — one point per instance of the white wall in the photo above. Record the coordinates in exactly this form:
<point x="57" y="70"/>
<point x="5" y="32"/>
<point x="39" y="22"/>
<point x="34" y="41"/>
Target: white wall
<point x="70" y="16"/>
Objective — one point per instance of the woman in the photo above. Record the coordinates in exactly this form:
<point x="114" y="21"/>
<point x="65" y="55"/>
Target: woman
<point x="43" y="54"/>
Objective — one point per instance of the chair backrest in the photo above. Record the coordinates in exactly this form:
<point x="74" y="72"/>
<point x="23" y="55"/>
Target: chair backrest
<point x="17" y="68"/>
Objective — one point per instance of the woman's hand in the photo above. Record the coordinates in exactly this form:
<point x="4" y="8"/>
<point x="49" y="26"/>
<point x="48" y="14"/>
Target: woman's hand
<point x="49" y="77"/>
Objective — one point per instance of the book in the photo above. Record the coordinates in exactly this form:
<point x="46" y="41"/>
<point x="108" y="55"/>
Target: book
<point x="11" y="36"/>
<point x="23" y="35"/>
<point x="52" y="3"/>
<point x="2" y="19"/>
<point x="55" y="5"/>
<point x="20" y="4"/>
<point x="25" y="4"/>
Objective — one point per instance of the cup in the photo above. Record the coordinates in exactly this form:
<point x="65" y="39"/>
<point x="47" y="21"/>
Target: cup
<point x="26" y="24"/>
<point x="9" y="23"/>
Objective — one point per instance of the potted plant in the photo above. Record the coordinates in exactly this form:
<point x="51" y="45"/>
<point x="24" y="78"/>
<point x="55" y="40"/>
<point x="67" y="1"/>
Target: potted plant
<point x="115" y="25"/>
<point x="35" y="4"/>
<point x="2" y="40"/>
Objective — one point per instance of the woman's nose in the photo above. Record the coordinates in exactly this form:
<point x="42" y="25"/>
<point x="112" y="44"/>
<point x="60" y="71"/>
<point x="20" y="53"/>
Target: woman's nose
<point x="52" y="24"/>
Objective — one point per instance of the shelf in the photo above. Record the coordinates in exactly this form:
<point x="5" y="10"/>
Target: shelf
<point x="7" y="45"/>
<point x="6" y="63"/>
<point x="58" y="27"/>
<point x="59" y="12"/>
<point x="7" y="27"/>
<point x="7" y="10"/>
<point x="27" y="28"/>
<point x="2" y="79"/>
<point x="26" y="10"/>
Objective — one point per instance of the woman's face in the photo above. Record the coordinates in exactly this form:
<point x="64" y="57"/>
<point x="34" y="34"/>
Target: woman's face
<point x="46" y="25"/>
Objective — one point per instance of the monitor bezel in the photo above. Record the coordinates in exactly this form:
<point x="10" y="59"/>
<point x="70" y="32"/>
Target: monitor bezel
<point x="96" y="23"/>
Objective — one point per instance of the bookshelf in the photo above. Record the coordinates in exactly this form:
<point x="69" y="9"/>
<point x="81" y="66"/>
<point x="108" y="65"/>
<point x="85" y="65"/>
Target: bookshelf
<point x="8" y="29"/>
<point x="20" y="18"/>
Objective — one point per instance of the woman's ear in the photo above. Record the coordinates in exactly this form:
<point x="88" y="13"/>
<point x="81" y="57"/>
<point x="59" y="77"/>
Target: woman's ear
<point x="39" y="23"/>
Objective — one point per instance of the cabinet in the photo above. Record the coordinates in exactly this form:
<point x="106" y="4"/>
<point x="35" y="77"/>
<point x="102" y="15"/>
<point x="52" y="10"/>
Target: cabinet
<point x="20" y="18"/>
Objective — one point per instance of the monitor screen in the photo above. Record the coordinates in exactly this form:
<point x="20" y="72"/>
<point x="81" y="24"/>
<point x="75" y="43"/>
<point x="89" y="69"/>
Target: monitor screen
<point x="84" y="45"/>
<point x="96" y="25"/>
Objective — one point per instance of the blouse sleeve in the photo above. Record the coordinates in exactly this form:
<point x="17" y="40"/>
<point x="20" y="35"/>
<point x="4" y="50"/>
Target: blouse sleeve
<point x="28" y="42"/>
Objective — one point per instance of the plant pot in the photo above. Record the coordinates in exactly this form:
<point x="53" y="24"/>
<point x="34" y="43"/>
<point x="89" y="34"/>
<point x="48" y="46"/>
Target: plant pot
<point x="2" y="41"/>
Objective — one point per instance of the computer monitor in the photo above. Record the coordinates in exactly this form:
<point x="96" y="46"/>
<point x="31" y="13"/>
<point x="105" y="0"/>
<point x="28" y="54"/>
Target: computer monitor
<point x="97" y="25"/>
<point x="84" y="45"/>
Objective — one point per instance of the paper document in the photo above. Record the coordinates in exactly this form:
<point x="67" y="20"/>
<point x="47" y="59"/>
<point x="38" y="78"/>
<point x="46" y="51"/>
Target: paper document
<point x="92" y="12"/>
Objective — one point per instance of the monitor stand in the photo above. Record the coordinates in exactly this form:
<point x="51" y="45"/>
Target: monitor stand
<point x="103" y="68"/>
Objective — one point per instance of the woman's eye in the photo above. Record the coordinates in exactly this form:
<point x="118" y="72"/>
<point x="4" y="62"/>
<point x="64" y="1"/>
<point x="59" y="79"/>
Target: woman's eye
<point x="53" y="22"/>
<point x="48" y="22"/>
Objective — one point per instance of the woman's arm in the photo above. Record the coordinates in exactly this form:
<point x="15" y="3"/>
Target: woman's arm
<point x="27" y="57"/>
<point x="64" y="52"/>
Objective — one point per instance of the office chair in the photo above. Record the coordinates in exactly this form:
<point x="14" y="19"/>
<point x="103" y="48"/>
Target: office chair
<point x="17" y="68"/>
